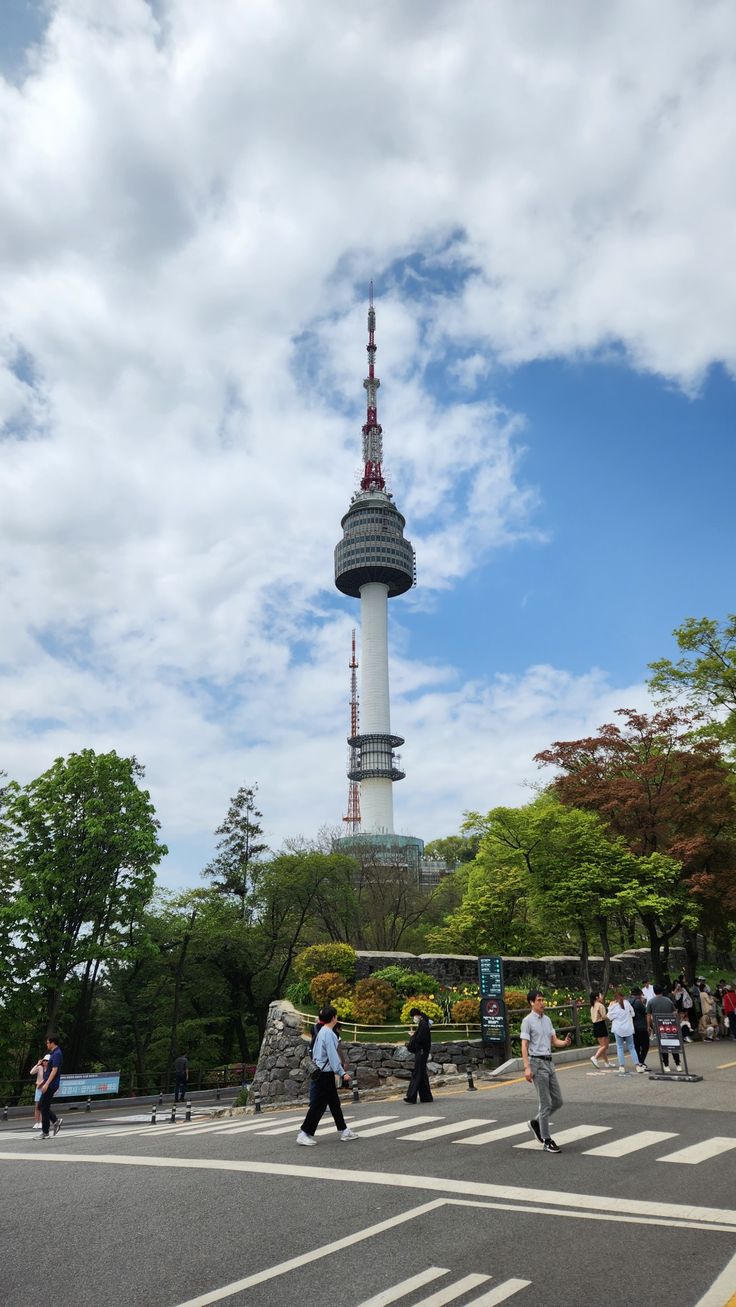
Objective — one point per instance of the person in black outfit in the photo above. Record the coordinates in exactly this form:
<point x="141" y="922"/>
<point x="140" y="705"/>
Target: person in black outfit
<point x="49" y="1087"/>
<point x="641" y="1028"/>
<point x="181" y="1069"/>
<point x="420" y="1045"/>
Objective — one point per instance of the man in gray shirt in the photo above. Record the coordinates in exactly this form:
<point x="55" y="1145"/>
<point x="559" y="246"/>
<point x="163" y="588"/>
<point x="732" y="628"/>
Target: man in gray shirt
<point x="537" y="1041"/>
<point x="664" y="1006"/>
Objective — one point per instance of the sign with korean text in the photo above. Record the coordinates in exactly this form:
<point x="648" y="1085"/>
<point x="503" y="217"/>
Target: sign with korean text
<point x="84" y="1085"/>
<point x="492" y="1020"/>
<point x="490" y="976"/>
<point x="668" y="1030"/>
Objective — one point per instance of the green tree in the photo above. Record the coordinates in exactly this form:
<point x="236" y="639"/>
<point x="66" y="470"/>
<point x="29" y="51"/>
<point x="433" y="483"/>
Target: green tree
<point x="235" y="865"/>
<point x="706" y="676"/>
<point x="82" y="844"/>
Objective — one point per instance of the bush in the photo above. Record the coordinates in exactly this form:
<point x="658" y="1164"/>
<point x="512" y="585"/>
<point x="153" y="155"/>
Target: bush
<point x="405" y="982"/>
<point x="241" y="1099"/>
<point x="466" y="1009"/>
<point x="298" y="993"/>
<point x="345" y="1008"/>
<point x="373" y="1000"/>
<point x="327" y="987"/>
<point x="319" y="958"/>
<point x="427" y="1005"/>
<point x="516" y="999"/>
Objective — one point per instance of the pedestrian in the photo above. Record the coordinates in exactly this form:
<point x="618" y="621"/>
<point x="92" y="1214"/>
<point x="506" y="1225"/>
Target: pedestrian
<point x="323" y="1090"/>
<point x="729" y="1009"/>
<point x="49" y="1086"/>
<point x="338" y="1035"/>
<point x="708" y="1024"/>
<point x="537" y="1041"/>
<point x="600" y="1030"/>
<point x="420" y="1045"/>
<point x="683" y="1003"/>
<point x="39" y="1071"/>
<point x="647" y="990"/>
<point x="641" y="1026"/>
<point x="662" y="1005"/>
<point x="621" y="1017"/>
<point x="181" y="1075"/>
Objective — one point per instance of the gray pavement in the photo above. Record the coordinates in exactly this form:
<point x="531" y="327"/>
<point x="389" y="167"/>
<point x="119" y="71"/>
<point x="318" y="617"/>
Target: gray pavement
<point x="642" y="1195"/>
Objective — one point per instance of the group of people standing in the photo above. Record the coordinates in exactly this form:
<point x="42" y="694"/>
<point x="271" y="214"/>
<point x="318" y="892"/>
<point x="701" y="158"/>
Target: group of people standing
<point x="632" y="1019"/>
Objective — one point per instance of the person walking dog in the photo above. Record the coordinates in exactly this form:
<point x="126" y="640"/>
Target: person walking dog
<point x="538" y="1038"/>
<point x="420" y="1045"/>
<point x="323" y="1090"/>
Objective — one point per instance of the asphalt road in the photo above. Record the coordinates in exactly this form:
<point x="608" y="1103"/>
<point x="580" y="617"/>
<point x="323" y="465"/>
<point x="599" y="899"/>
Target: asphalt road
<point x="640" y="1206"/>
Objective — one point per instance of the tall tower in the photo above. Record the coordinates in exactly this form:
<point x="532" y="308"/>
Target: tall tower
<point x="352" y="817"/>
<point x="373" y="563"/>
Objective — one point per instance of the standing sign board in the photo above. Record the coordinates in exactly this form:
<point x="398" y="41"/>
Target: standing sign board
<point x="669" y="1036"/>
<point x="492" y="1006"/>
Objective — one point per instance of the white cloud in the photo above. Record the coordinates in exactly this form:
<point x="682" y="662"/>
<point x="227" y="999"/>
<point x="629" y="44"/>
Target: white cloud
<point x="190" y="193"/>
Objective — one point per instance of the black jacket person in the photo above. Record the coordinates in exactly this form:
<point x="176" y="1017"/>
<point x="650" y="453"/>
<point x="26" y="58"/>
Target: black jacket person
<point x="420" y="1045"/>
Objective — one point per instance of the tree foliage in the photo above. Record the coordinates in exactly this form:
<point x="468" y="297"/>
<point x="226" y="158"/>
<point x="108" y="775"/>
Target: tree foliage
<point x="706" y="676"/>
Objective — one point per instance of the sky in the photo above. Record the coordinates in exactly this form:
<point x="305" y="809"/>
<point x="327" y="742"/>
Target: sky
<point x="193" y="200"/>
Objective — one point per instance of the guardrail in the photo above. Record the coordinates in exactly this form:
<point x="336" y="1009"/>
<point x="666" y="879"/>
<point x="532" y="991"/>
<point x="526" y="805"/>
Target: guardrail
<point x="355" y="1033"/>
<point x="200" y="1079"/>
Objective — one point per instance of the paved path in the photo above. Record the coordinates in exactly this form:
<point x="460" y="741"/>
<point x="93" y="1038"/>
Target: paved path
<point x="452" y="1202"/>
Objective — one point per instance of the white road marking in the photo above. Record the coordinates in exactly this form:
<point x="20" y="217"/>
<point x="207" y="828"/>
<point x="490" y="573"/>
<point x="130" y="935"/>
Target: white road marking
<point x="589" y="1206"/>
<point x="701" y="1152"/>
<point x="454" y="1128"/>
<point x="569" y="1136"/>
<point x="723" y="1290"/>
<point x="453" y="1291"/>
<point x="499" y="1294"/>
<point x="490" y="1136"/>
<point x="405" y="1287"/>
<point x="240" y="1128"/>
<point x="389" y="1129"/>
<point x="315" y="1254"/>
<point x="631" y="1144"/>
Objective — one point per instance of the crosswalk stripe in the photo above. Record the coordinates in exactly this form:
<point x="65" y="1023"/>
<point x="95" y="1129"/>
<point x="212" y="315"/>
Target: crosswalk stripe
<point x="631" y="1143"/>
<point x="453" y="1291"/>
<point x="405" y="1287"/>
<point x="452" y="1128"/>
<point x="499" y="1294"/>
<point x="289" y="1129"/>
<point x="490" y="1136"/>
<point x="388" y="1129"/>
<point x="569" y="1136"/>
<point x="701" y="1152"/>
<point x="260" y="1123"/>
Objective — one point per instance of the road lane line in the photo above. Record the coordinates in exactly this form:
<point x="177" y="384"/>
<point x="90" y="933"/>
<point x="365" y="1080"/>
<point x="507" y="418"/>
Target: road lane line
<point x="722" y="1292"/>
<point x="391" y="1128"/>
<point x="259" y="1125"/>
<point x="631" y="1144"/>
<point x="725" y="1065"/>
<point x="499" y="1294"/>
<point x="490" y="1136"/>
<point x="569" y="1136"/>
<point x="453" y="1291"/>
<point x="720" y="1218"/>
<point x="315" y="1254"/>
<point x="454" y="1128"/>
<point x="406" y="1287"/>
<point x="701" y="1152"/>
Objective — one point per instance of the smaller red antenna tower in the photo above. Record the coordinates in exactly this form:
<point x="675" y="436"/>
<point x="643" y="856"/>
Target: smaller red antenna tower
<point x="372" y="478"/>
<point x="352" y="817"/>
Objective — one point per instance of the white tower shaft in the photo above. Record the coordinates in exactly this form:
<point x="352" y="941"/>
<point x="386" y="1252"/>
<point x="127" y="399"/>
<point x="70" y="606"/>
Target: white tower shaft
<point x="376" y="793"/>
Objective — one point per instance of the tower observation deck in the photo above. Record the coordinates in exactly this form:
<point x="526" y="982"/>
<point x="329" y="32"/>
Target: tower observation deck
<point x="374" y="563"/>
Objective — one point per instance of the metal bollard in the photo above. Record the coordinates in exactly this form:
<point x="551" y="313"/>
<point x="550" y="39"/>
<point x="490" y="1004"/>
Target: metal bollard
<point x="356" y="1094"/>
<point x="88" y="1108"/>
<point x="471" y="1084"/>
<point x="217" y="1093"/>
<point x="5" y="1112"/>
<point x="172" y="1118"/>
<point x="257" y="1101"/>
<point x="153" y="1114"/>
<point x="160" y="1097"/>
<point x="188" y="1114"/>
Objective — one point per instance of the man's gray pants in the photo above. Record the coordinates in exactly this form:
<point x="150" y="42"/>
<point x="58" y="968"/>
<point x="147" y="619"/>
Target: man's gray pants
<point x="548" y="1091"/>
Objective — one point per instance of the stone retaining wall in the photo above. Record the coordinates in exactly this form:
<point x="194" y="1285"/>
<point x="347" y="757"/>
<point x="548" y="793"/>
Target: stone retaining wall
<point x="461" y="969"/>
<point x="284" y="1064"/>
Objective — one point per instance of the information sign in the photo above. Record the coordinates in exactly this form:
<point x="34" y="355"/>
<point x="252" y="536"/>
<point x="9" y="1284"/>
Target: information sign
<point x="668" y="1031"/>
<point x="490" y="976"/>
<point x="493" y="1020"/>
<point x="85" y="1084"/>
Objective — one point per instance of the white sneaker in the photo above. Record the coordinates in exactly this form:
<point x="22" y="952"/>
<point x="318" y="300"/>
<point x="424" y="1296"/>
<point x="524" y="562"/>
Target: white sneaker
<point x="305" y="1139"/>
<point x="641" y="1069"/>
<point x="667" y="1070"/>
<point x="36" y="1126"/>
<point x="348" y="1134"/>
<point x="595" y="1062"/>
<point x="622" y="1070"/>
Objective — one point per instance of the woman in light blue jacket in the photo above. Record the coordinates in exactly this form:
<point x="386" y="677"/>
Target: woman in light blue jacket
<point x="621" y="1016"/>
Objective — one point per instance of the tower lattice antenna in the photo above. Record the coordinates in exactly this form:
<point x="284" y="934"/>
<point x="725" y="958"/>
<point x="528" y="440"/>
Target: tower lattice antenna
<point x="352" y="817"/>
<point x="372" y="478"/>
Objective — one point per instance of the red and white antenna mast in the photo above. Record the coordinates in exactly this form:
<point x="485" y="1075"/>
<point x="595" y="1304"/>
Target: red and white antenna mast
<point x="372" y="478"/>
<point x="352" y="818"/>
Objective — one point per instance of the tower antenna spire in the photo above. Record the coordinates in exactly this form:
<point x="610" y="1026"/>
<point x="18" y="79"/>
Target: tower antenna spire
<point x="352" y="817"/>
<point x="372" y="478"/>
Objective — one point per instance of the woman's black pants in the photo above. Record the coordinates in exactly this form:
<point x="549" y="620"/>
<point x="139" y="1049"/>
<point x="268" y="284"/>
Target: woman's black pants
<point x="419" y="1083"/>
<point x="323" y="1094"/>
<point x="641" y="1044"/>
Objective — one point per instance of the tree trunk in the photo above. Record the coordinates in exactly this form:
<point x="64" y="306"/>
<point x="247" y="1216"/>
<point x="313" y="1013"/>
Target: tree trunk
<point x="602" y="924"/>
<point x="690" y="940"/>
<point x="178" y="975"/>
<point x="584" y="956"/>
<point x="650" y="925"/>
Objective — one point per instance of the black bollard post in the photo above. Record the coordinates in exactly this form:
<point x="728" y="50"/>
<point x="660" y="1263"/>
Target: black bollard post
<point x="188" y="1114"/>
<point x="160" y="1097"/>
<point x="257" y="1101"/>
<point x="88" y="1108"/>
<point x="217" y="1093"/>
<point x="172" y="1118"/>
<point x="356" y="1094"/>
<point x="471" y="1084"/>
<point x="5" y="1112"/>
<point x="153" y="1114"/>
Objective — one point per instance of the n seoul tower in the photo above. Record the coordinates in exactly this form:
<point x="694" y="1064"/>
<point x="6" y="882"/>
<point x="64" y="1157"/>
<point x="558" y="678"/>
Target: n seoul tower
<point x="374" y="563"/>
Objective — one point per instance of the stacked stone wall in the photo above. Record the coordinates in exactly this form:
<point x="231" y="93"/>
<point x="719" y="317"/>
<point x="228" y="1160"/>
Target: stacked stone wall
<point x="456" y="970"/>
